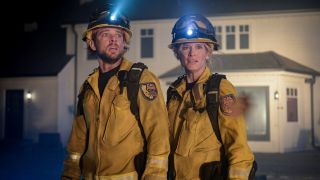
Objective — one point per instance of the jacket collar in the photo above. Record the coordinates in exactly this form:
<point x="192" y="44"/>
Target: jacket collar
<point x="197" y="90"/>
<point x="181" y="87"/>
<point x="113" y="81"/>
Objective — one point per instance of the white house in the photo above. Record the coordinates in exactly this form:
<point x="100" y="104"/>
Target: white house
<point x="280" y="91"/>
<point x="273" y="51"/>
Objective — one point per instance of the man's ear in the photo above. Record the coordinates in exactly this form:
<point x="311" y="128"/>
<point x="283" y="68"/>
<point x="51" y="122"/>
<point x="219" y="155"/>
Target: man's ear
<point x="91" y="44"/>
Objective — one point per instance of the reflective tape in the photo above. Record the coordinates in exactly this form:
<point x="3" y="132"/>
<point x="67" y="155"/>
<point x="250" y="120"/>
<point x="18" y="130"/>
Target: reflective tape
<point x="157" y="162"/>
<point x="243" y="173"/>
<point x="126" y="176"/>
<point x="74" y="156"/>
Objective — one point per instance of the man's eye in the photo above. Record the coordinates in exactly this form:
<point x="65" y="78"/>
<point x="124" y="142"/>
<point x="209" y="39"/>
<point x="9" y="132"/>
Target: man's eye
<point x="104" y="34"/>
<point x="185" y="47"/>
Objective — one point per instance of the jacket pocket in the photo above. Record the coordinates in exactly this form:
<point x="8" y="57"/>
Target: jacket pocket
<point x="121" y="121"/>
<point x="206" y="139"/>
<point x="188" y="132"/>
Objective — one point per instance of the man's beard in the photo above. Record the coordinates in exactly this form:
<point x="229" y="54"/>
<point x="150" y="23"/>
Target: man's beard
<point x="108" y="59"/>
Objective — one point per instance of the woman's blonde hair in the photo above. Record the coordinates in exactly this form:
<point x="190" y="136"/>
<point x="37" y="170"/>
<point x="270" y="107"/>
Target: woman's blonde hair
<point x="209" y="47"/>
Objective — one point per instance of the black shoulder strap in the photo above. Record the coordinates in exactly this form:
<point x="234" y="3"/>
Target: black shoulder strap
<point x="133" y="83"/>
<point x="171" y="89"/>
<point x="212" y="100"/>
<point x="86" y="86"/>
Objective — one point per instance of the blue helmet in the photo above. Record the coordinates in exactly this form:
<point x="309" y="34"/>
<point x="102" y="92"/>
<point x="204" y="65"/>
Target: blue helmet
<point x="107" y="18"/>
<point x="193" y="28"/>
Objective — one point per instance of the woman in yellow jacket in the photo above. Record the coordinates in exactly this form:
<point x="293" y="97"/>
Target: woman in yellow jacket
<point x="193" y="141"/>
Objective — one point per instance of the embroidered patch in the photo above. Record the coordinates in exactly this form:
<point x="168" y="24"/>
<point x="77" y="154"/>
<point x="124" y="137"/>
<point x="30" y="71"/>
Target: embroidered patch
<point x="227" y="103"/>
<point x="149" y="90"/>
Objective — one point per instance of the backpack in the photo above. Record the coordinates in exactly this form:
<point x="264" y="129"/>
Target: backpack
<point x="213" y="170"/>
<point x="129" y="79"/>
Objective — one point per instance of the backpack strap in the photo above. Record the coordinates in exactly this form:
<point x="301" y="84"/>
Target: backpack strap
<point x="212" y="100"/>
<point x="172" y="88"/>
<point x="131" y="80"/>
<point x="86" y="86"/>
<point x="212" y="106"/>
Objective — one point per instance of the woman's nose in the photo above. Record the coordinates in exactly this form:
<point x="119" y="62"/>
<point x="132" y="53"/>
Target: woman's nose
<point x="191" y="51"/>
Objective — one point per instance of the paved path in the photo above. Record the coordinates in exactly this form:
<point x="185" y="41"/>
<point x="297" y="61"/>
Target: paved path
<point x="295" y="165"/>
<point x="29" y="161"/>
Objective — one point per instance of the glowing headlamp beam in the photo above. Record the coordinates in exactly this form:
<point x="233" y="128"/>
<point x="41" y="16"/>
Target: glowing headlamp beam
<point x="189" y="32"/>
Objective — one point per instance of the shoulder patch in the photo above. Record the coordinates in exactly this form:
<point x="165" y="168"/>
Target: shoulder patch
<point x="227" y="104"/>
<point x="149" y="90"/>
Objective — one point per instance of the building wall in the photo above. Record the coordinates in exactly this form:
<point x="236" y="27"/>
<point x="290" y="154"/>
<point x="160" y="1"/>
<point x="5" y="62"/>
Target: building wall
<point x="284" y="136"/>
<point x="264" y="79"/>
<point x="40" y="114"/>
<point x="289" y="34"/>
<point x="295" y="135"/>
<point x="316" y="108"/>
<point x="66" y="97"/>
<point x="163" y="59"/>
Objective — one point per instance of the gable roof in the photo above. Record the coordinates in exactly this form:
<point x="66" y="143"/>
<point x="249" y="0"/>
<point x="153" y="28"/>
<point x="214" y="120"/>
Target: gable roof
<point x="166" y="9"/>
<point x="249" y="62"/>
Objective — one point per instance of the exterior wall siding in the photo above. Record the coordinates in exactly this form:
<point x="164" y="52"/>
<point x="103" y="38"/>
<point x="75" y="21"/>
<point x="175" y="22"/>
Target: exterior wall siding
<point x="40" y="114"/>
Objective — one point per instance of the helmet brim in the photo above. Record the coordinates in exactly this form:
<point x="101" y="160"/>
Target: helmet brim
<point x="88" y="33"/>
<point x="194" y="40"/>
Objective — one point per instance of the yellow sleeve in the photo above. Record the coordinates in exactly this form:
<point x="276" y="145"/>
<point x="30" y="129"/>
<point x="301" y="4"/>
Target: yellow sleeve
<point x="154" y="118"/>
<point x="75" y="147"/>
<point x="233" y="134"/>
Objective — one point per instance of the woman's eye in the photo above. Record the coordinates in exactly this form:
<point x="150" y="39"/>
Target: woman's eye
<point x="199" y="47"/>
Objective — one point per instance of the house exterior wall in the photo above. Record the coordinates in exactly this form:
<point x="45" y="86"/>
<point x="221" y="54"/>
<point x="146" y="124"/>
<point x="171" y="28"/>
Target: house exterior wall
<point x="40" y="114"/>
<point x="284" y="136"/>
<point x="289" y="34"/>
<point x="66" y="97"/>
<point x="295" y="136"/>
<point x="163" y="59"/>
<point x="316" y="104"/>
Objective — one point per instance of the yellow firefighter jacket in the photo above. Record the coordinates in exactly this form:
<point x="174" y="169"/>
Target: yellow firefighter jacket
<point x="192" y="134"/>
<point x="106" y="137"/>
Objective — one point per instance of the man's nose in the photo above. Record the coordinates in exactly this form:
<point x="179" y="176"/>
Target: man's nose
<point x="113" y="38"/>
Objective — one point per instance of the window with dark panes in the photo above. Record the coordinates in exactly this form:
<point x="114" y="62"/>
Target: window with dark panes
<point x="218" y="30"/>
<point x="146" y="43"/>
<point x="292" y="105"/>
<point x="230" y="37"/>
<point x="244" y="36"/>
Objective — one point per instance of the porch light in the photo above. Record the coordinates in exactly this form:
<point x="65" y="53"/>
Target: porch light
<point x="276" y="95"/>
<point x="29" y="96"/>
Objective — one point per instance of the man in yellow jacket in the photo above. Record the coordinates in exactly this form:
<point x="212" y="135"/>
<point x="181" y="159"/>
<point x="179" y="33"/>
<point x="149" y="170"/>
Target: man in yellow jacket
<point x="196" y="149"/>
<point x="106" y="135"/>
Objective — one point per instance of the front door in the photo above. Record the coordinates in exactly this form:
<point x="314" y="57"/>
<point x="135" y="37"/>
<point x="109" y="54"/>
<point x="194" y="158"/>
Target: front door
<point x="14" y="115"/>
